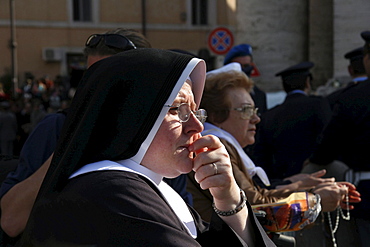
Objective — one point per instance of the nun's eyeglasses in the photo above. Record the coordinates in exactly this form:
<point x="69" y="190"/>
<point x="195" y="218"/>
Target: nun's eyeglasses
<point x="184" y="110"/>
<point x="247" y="111"/>
<point x="112" y="40"/>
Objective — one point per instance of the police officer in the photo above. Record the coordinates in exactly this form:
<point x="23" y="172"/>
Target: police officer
<point x="347" y="138"/>
<point x="288" y="132"/>
<point x="356" y="70"/>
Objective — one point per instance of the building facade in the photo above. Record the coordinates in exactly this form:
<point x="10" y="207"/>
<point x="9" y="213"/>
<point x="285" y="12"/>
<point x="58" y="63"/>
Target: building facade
<point x="49" y="35"/>
<point x="284" y="33"/>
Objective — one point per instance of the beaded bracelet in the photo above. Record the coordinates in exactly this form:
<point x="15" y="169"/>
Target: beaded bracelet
<point x="233" y="211"/>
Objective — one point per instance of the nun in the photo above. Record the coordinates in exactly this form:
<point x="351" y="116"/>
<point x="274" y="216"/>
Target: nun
<point x="135" y="120"/>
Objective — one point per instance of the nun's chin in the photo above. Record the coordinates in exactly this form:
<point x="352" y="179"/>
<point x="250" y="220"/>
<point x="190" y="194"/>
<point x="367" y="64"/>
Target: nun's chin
<point x="188" y="167"/>
<point x="184" y="167"/>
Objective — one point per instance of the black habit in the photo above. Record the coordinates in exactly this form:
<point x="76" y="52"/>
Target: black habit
<point x="114" y="116"/>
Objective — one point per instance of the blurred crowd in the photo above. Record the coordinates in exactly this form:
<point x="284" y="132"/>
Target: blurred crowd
<point x="34" y="100"/>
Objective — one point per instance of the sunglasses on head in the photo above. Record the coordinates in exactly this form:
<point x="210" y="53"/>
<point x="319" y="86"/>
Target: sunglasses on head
<point x="111" y="40"/>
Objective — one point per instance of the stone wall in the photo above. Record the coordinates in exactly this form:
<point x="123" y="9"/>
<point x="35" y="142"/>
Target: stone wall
<point x="320" y="40"/>
<point x="283" y="33"/>
<point x="351" y="17"/>
<point x="277" y="31"/>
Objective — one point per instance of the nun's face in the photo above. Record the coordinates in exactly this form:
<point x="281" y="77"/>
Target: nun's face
<point x="168" y="153"/>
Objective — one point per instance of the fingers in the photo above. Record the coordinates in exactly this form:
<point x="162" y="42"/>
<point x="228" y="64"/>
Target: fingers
<point x="212" y="164"/>
<point x="200" y="150"/>
<point x="207" y="142"/>
<point x="335" y="194"/>
<point x="311" y="181"/>
<point x="354" y="196"/>
<point x="343" y="205"/>
<point x="326" y="182"/>
<point x="319" y="174"/>
<point x="215" y="174"/>
<point x="347" y="184"/>
<point x="354" y="199"/>
<point x="354" y="193"/>
<point x="343" y="191"/>
<point x="208" y="170"/>
<point x="209" y="149"/>
<point x="213" y="171"/>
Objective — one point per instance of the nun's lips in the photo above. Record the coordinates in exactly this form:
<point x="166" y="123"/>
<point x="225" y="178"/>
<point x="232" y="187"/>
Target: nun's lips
<point x="184" y="146"/>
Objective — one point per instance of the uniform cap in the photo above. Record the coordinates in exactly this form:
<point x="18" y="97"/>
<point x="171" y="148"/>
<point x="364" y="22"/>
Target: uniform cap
<point x="301" y="68"/>
<point x="355" y="54"/>
<point x="238" y="51"/>
<point x="296" y="75"/>
<point x="366" y="36"/>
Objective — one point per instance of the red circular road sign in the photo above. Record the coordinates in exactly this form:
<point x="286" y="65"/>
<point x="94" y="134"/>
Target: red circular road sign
<point x="220" y="40"/>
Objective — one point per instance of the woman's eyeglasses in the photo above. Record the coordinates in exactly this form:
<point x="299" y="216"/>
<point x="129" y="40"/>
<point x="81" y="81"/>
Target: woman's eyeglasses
<point x="184" y="111"/>
<point x="247" y="111"/>
<point x="111" y="40"/>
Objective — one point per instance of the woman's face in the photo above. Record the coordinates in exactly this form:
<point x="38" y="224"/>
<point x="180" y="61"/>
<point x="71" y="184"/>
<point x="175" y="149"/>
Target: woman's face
<point x="243" y="130"/>
<point x="168" y="153"/>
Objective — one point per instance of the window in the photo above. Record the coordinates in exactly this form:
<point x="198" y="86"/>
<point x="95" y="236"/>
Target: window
<point x="82" y="10"/>
<point x="199" y="12"/>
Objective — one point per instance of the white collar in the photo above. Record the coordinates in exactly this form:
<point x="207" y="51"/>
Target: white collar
<point x="129" y="166"/>
<point x="358" y="79"/>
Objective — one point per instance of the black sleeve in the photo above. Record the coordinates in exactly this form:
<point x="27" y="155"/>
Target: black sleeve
<point x="115" y="208"/>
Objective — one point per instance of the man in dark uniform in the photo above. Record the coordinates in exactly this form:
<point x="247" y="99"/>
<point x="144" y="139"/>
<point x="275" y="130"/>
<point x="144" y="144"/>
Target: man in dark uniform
<point x="356" y="70"/>
<point x="288" y="133"/>
<point x="347" y="138"/>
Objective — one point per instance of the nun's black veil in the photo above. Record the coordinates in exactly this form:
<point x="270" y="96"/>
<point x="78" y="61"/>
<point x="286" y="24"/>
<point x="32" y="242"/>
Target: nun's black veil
<point x="114" y="109"/>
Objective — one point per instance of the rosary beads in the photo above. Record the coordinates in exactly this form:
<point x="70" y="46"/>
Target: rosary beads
<point x="344" y="217"/>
